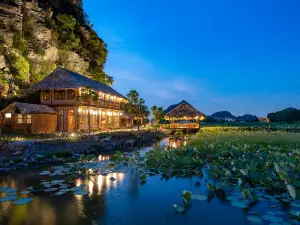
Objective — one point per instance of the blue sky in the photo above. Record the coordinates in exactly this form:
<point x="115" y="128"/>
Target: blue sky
<point x="240" y="56"/>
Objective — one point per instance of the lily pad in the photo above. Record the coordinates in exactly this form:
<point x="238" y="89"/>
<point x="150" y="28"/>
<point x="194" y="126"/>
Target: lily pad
<point x="199" y="197"/>
<point x="44" y="173"/>
<point x="255" y="220"/>
<point x="50" y="189"/>
<point x="23" y="201"/>
<point x="272" y="218"/>
<point x="242" y="205"/>
<point x="81" y="192"/>
<point x="25" y="192"/>
<point x="179" y="208"/>
<point x="295" y="213"/>
<point x="7" y="199"/>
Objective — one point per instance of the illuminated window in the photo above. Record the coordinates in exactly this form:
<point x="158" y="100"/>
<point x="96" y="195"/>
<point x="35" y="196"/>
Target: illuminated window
<point x="46" y="95"/>
<point x="28" y="119"/>
<point x="70" y="94"/>
<point x="7" y="115"/>
<point x="59" y="94"/>
<point x="19" y="118"/>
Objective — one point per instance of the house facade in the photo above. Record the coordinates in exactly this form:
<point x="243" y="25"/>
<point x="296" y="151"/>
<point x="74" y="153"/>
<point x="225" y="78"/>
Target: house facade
<point x="81" y="103"/>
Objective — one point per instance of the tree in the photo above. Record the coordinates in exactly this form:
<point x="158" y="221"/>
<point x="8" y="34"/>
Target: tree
<point x="136" y="107"/>
<point x="158" y="113"/>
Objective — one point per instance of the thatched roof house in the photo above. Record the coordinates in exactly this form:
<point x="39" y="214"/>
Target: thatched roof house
<point x="26" y="108"/>
<point x="29" y="118"/>
<point x="182" y="110"/>
<point x="62" y="78"/>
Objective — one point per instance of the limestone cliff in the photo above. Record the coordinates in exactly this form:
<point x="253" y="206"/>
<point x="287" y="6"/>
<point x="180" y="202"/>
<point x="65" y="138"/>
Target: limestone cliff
<point x="38" y="35"/>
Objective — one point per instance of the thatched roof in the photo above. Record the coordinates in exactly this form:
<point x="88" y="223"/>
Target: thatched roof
<point x="61" y="78"/>
<point x="181" y="110"/>
<point x="26" y="108"/>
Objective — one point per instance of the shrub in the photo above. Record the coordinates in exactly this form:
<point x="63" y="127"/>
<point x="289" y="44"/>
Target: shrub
<point x="20" y="44"/>
<point x="39" y="70"/>
<point x="21" y="65"/>
<point x="65" y="27"/>
<point x="37" y="46"/>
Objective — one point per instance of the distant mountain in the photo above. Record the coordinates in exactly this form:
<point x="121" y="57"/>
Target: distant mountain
<point x="247" y="118"/>
<point x="223" y="115"/>
<point x="285" y="115"/>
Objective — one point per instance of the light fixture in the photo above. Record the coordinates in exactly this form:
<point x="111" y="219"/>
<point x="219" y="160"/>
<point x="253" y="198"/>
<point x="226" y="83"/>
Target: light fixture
<point x="7" y="115"/>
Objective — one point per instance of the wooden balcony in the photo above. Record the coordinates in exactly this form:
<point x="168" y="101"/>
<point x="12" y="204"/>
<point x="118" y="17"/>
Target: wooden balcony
<point x="99" y="103"/>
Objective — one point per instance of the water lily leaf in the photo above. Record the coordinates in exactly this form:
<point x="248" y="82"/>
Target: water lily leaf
<point x="255" y="219"/>
<point x="10" y="190"/>
<point x="292" y="190"/>
<point x="199" y="197"/>
<point x="295" y="214"/>
<point x="44" y="173"/>
<point x="272" y="218"/>
<point x="23" y="201"/>
<point x="243" y="172"/>
<point x="240" y="181"/>
<point x="54" y="182"/>
<point x="179" y="208"/>
<point x="25" y="192"/>
<point x="238" y="204"/>
<point x="76" y="189"/>
<point x="50" y="189"/>
<point x="7" y="199"/>
<point x="295" y="204"/>
<point x="81" y="192"/>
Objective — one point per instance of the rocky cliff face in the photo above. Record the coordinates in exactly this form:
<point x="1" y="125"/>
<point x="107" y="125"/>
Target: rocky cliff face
<point x="38" y="35"/>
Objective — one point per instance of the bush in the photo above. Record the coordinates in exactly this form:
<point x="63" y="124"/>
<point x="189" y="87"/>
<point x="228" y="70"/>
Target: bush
<point x="65" y="27"/>
<point x="39" y="70"/>
<point x="37" y="46"/>
<point x="20" y="44"/>
<point x="21" y="65"/>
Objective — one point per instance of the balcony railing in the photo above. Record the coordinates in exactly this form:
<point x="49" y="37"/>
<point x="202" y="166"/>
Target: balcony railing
<point x="99" y="103"/>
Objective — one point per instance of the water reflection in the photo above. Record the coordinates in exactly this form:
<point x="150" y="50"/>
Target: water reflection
<point x="176" y="143"/>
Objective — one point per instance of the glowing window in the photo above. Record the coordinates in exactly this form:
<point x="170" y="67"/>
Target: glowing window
<point x="20" y="118"/>
<point x="7" y="115"/>
<point x="28" y="119"/>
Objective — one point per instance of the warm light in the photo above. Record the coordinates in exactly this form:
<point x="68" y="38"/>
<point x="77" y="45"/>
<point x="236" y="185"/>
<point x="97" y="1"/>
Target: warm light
<point x="109" y="113"/>
<point x="79" y="110"/>
<point x="121" y="114"/>
<point x="202" y="118"/>
<point x="7" y="115"/>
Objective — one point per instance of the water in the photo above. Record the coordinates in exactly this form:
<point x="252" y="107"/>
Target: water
<point x="123" y="201"/>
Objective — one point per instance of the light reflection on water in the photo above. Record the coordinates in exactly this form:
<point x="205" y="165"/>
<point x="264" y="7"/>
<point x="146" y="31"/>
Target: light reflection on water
<point x="122" y="201"/>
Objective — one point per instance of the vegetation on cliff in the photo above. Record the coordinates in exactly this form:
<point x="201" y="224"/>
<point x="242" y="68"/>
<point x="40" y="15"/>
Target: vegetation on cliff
<point x="37" y="39"/>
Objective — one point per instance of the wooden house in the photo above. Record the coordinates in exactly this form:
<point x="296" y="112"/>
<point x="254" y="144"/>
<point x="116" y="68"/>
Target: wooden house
<point x="82" y="104"/>
<point x="183" y="116"/>
<point x="28" y="118"/>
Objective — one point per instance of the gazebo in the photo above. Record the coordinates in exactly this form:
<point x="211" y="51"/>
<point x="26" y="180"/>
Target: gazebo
<point x="183" y="116"/>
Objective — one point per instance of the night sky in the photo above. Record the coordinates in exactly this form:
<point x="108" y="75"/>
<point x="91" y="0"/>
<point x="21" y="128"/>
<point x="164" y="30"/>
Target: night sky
<point x="237" y="55"/>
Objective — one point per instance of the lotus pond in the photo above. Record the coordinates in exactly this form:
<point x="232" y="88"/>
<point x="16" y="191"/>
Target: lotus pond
<point x="219" y="177"/>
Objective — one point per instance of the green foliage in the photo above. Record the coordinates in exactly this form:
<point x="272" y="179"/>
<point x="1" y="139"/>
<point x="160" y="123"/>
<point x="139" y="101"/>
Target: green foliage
<point x="20" y="44"/>
<point x="39" y="70"/>
<point x="136" y="106"/>
<point x="19" y="67"/>
<point x="158" y="113"/>
<point x="65" y="28"/>
<point x="286" y="115"/>
<point x="37" y="46"/>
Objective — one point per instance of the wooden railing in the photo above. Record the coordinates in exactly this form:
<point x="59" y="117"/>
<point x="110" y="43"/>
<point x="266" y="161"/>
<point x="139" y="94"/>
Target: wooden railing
<point x="99" y="103"/>
<point x="180" y="126"/>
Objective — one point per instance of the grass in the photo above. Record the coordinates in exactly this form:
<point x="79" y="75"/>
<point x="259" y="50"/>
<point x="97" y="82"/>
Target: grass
<point x="236" y="136"/>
